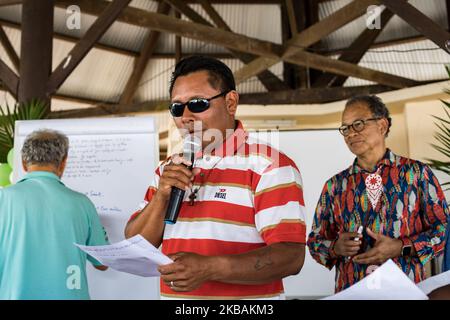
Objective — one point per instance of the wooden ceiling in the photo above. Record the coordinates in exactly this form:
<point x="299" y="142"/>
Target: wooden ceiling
<point x="310" y="75"/>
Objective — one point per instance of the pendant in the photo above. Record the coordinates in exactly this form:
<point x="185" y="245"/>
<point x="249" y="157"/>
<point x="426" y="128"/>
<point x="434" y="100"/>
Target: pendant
<point x="374" y="187"/>
<point x="193" y="196"/>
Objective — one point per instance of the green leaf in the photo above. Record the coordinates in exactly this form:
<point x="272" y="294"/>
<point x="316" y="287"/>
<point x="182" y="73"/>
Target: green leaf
<point x="32" y="110"/>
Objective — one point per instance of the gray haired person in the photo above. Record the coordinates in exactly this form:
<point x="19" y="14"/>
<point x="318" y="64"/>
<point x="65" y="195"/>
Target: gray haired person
<point x="40" y="220"/>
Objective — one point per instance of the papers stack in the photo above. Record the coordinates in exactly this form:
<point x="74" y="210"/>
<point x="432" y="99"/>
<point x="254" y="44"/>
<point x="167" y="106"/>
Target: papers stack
<point x="388" y="282"/>
<point x="135" y="255"/>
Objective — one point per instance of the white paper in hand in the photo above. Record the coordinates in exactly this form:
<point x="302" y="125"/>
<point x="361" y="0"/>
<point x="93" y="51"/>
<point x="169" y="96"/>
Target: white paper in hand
<point x="433" y="283"/>
<point x="134" y="255"/>
<point x="387" y="282"/>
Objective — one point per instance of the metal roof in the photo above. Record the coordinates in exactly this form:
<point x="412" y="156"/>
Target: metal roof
<point x="421" y="61"/>
<point x="395" y="29"/>
<point x="102" y="74"/>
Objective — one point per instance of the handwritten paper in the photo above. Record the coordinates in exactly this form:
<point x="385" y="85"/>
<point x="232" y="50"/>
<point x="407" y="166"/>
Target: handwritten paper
<point x="134" y="255"/>
<point x="387" y="282"/>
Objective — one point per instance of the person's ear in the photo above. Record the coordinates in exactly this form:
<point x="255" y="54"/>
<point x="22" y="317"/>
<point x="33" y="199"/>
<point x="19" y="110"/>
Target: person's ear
<point x="24" y="166"/>
<point x="384" y="126"/>
<point x="62" y="166"/>
<point x="232" y="101"/>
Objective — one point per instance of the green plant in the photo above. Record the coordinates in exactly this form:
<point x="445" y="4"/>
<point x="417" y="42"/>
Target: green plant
<point x="442" y="136"/>
<point x="33" y="110"/>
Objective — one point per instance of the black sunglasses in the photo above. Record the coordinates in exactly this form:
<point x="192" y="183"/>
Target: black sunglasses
<point x="357" y="126"/>
<point x="194" y="105"/>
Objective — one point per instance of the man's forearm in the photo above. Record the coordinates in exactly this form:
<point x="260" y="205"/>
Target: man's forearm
<point x="262" y="265"/>
<point x="150" y="222"/>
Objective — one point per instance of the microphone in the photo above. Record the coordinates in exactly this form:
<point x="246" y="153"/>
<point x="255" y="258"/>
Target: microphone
<point x="191" y="146"/>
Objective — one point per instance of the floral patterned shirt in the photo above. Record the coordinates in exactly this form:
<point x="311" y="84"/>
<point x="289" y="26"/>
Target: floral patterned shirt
<point x="412" y="205"/>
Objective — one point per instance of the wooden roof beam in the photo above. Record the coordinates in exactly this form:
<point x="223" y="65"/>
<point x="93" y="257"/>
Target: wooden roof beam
<point x="355" y="51"/>
<point x="308" y="36"/>
<point x="307" y="96"/>
<point x="10" y="51"/>
<point x="420" y="22"/>
<point x="246" y="44"/>
<point x="268" y="79"/>
<point x="310" y="96"/>
<point x="9" y="78"/>
<point x="9" y="2"/>
<point x="81" y="49"/>
<point x="140" y="64"/>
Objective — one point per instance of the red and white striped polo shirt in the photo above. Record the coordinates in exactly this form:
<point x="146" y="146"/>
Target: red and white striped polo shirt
<point x="250" y="196"/>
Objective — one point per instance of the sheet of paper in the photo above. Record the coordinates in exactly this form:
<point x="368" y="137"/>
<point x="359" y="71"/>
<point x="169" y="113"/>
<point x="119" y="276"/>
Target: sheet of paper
<point x="388" y="282"/>
<point x="435" y="282"/>
<point x="134" y="255"/>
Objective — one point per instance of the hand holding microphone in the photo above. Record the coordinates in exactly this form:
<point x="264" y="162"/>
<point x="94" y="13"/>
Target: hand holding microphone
<point x="179" y="177"/>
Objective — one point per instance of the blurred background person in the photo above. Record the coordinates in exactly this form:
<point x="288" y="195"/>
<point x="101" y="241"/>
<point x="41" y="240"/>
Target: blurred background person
<point x="40" y="220"/>
<point x="397" y="203"/>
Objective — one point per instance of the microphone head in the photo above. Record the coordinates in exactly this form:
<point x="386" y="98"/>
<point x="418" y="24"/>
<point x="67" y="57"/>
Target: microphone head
<point x="191" y="145"/>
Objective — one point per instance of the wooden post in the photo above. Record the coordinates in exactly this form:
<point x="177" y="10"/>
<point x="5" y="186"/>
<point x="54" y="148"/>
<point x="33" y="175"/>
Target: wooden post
<point x="36" y="50"/>
<point x="294" y="20"/>
<point x="178" y="49"/>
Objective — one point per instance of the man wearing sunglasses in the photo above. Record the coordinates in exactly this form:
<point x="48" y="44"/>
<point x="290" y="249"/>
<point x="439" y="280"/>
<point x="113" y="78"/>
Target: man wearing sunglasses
<point x="382" y="207"/>
<point x="241" y="226"/>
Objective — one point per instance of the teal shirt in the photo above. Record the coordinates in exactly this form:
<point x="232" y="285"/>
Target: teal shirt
<point x="40" y="220"/>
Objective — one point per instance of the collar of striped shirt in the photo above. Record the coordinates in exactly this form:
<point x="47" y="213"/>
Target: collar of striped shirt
<point x="231" y="144"/>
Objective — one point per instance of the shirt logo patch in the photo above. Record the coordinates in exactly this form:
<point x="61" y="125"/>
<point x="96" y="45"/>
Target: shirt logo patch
<point x="221" y="194"/>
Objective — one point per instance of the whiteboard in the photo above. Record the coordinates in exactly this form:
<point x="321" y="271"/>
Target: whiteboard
<point x="319" y="154"/>
<point x="112" y="161"/>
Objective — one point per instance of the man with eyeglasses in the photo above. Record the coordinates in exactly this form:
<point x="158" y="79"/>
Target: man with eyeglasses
<point x="382" y="207"/>
<point x="240" y="228"/>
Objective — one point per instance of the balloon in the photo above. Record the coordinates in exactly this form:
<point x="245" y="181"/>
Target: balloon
<point x="10" y="158"/>
<point x="11" y="177"/>
<point x="5" y="171"/>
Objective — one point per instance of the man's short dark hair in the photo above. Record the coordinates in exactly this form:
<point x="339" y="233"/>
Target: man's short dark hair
<point x="220" y="76"/>
<point x="376" y="107"/>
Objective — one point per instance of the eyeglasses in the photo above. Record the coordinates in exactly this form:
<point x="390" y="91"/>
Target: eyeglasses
<point x="357" y="126"/>
<point x="194" y="105"/>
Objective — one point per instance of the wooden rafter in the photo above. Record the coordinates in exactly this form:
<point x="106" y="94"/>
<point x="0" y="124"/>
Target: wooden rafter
<point x="178" y="47"/>
<point x="272" y="51"/>
<point x="382" y="44"/>
<point x="308" y="37"/>
<point x="9" y="2"/>
<point x="112" y="48"/>
<point x="290" y="12"/>
<point x="214" y="15"/>
<point x="10" y="51"/>
<point x="447" y="4"/>
<point x="9" y="79"/>
<point x="243" y="43"/>
<point x="72" y="39"/>
<point x="343" y="68"/>
<point x="225" y="55"/>
<point x="247" y="2"/>
<point x="294" y="18"/>
<point x="355" y="51"/>
<point x="250" y="45"/>
<point x="309" y="96"/>
<point x="111" y="109"/>
<point x="81" y="49"/>
<point x="140" y="64"/>
<point x="268" y="79"/>
<point x="419" y="21"/>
